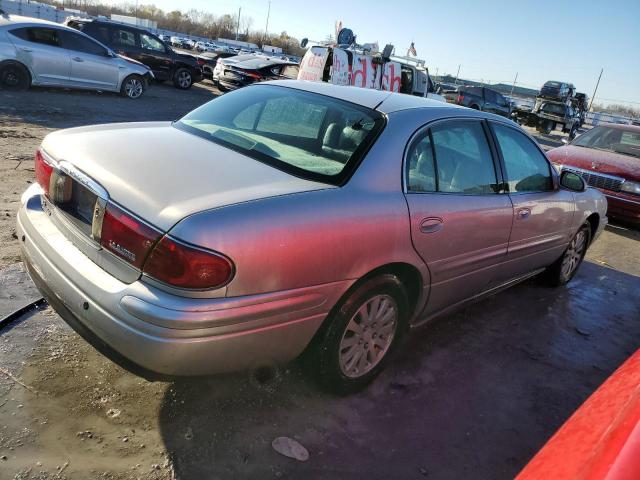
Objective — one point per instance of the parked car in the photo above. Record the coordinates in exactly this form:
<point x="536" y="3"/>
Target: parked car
<point x="484" y="99"/>
<point x="37" y="52"/>
<point x="554" y="90"/>
<point x="266" y="239"/>
<point x="242" y="70"/>
<point x="208" y="61"/>
<point x="601" y="440"/>
<point x="144" y="46"/>
<point x="608" y="158"/>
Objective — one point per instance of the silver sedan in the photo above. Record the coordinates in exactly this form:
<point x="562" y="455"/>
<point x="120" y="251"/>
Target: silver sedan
<point x="289" y="216"/>
<point x="37" y="52"/>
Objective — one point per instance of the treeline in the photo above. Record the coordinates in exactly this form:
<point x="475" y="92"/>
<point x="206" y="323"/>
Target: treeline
<point x="615" y="109"/>
<point x="192" y="22"/>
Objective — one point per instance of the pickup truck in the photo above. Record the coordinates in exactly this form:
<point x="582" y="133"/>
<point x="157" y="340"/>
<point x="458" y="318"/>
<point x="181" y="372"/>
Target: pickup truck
<point x="485" y="99"/>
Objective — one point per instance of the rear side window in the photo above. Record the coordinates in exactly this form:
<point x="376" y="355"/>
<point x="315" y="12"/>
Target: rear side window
<point x="124" y="38"/>
<point x="45" y="36"/>
<point x="290" y="116"/>
<point x="454" y="158"/>
<point x="527" y="168"/>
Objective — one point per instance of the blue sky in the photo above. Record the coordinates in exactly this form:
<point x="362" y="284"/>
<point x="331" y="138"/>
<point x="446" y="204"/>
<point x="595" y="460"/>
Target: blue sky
<point x="491" y="39"/>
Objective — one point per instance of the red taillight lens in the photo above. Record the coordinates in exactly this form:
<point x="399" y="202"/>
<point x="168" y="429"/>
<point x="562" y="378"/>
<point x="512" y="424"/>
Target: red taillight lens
<point x="251" y="74"/>
<point x="200" y="61"/>
<point x="43" y="172"/>
<point x="127" y="237"/>
<point x="182" y="266"/>
<point x="460" y="99"/>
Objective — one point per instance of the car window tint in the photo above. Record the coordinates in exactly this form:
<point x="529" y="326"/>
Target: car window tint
<point x="527" y="168"/>
<point x="421" y="173"/>
<point x="78" y="43"/>
<point x="147" y="42"/>
<point x="124" y="38"/>
<point x="490" y="96"/>
<point x="100" y="33"/>
<point x="45" y="36"/>
<point x="463" y="159"/>
<point x="290" y="116"/>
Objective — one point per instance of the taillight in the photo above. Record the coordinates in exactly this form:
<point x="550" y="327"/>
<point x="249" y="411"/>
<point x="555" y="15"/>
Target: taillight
<point x="460" y="99"/>
<point x="126" y="236"/>
<point x="199" y="61"/>
<point x="182" y="266"/>
<point x="43" y="171"/>
<point x="251" y="74"/>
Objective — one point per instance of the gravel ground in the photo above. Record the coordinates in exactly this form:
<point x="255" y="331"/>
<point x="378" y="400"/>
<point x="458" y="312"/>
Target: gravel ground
<point x="473" y="395"/>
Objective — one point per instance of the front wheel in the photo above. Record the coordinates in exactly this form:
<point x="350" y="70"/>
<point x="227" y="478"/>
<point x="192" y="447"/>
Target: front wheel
<point x="564" y="269"/>
<point x="182" y="79"/>
<point x="361" y="334"/>
<point x="132" y="87"/>
<point x="14" y="76"/>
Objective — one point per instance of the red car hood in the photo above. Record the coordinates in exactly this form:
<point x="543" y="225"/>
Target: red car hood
<point x="610" y="163"/>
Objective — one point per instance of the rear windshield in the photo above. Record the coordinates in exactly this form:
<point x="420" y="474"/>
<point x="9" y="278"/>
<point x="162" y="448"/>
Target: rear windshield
<point x="553" y="108"/>
<point x="308" y="135"/>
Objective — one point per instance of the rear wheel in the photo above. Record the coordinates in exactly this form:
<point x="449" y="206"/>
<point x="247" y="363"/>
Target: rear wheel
<point x="182" y="79"/>
<point x="564" y="269"/>
<point x="14" y="76"/>
<point x="132" y="87"/>
<point x="362" y="333"/>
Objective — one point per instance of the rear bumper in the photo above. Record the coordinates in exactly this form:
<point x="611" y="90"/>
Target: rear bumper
<point x="153" y="333"/>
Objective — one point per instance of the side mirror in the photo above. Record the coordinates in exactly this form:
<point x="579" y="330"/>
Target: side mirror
<point x="303" y="42"/>
<point x="572" y="181"/>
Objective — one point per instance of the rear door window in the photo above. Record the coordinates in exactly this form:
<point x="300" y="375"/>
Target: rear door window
<point x="44" y="36"/>
<point x="124" y="38"/>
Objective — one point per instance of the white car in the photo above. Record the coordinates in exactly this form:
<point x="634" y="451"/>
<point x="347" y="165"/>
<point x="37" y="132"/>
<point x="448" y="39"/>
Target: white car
<point x="37" y="52"/>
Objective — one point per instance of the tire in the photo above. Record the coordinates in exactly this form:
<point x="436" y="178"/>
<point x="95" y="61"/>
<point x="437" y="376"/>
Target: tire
<point x="182" y="79"/>
<point x="132" y="87"/>
<point x="353" y="347"/>
<point x="14" y="76"/>
<point x="564" y="269"/>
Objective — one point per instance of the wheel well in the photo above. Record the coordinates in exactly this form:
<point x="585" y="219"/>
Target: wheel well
<point x="594" y="221"/>
<point x="16" y="62"/>
<point x="406" y="273"/>
<point x="475" y="107"/>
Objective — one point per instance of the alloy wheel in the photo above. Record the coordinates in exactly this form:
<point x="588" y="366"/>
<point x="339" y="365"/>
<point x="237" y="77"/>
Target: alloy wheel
<point x="573" y="255"/>
<point x="184" y="79"/>
<point x="10" y="78"/>
<point x="368" y="336"/>
<point x="133" y="88"/>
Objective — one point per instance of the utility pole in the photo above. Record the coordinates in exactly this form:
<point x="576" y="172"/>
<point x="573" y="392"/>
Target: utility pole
<point x="238" y="25"/>
<point x="266" y="28"/>
<point x="457" y="74"/>
<point x="514" y="84"/>
<point x="595" y="90"/>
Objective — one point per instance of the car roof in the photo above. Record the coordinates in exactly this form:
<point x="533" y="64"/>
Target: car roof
<point x="6" y="20"/>
<point x="381" y="100"/>
<point x="261" y="62"/>
<point x="621" y="126"/>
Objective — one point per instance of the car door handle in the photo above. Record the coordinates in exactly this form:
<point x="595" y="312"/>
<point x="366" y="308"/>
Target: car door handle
<point x="431" y="225"/>
<point x="524" y="213"/>
<point x="77" y="59"/>
<point x="25" y="49"/>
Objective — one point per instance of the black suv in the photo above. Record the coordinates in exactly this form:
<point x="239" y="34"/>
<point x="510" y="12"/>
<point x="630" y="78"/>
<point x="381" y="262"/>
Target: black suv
<point x="141" y="45"/>
<point x="554" y="90"/>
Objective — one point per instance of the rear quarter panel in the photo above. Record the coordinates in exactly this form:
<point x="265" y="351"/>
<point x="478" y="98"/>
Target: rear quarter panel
<point x="317" y="237"/>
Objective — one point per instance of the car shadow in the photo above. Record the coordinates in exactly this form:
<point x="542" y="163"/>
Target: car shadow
<point x="472" y="395"/>
<point x="624" y="229"/>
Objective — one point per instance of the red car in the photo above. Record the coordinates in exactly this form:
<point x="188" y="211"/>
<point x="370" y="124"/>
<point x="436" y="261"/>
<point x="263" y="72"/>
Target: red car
<point x="608" y="158"/>
<point x="601" y="440"/>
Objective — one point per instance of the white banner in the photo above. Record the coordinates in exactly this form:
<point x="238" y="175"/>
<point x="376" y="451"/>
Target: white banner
<point x="363" y="73"/>
<point x="391" y="77"/>
<point x="312" y="65"/>
<point x="340" y="68"/>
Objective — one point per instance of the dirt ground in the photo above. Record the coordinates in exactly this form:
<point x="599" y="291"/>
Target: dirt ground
<point x="473" y="395"/>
